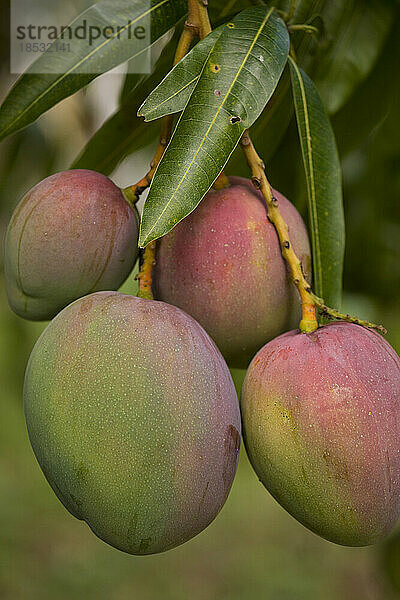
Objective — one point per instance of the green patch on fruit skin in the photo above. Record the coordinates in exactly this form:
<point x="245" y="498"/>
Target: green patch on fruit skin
<point x="287" y="451"/>
<point x="321" y="428"/>
<point x="130" y="432"/>
<point x="82" y="472"/>
<point x="287" y="417"/>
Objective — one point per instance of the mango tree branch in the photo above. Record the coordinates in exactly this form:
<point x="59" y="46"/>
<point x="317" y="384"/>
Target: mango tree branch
<point x="199" y="7"/>
<point x="197" y="24"/>
<point x="309" y="301"/>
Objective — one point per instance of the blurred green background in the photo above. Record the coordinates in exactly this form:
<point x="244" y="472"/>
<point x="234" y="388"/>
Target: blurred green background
<point x="253" y="549"/>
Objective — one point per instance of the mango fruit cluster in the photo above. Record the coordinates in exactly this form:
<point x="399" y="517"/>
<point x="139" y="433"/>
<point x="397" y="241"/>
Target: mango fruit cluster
<point x="130" y="405"/>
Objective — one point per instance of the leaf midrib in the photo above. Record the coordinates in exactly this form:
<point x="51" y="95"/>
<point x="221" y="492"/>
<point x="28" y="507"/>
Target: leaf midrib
<point x="214" y="118"/>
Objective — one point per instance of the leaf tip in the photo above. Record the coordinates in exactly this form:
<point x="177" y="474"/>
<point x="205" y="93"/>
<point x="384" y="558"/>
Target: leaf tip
<point x="144" y="239"/>
<point x="140" y="112"/>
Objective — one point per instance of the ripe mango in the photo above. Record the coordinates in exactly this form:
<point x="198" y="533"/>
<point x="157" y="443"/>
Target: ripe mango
<point x="223" y="266"/>
<point x="134" y="419"/>
<point x="321" y="421"/>
<point x="72" y="234"/>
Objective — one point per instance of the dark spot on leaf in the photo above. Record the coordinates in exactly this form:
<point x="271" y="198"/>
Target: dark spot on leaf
<point x="234" y="120"/>
<point x="215" y="68"/>
<point x="231" y="25"/>
<point x="217" y="93"/>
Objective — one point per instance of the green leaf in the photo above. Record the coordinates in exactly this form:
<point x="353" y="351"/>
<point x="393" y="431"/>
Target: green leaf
<point x="36" y="92"/>
<point x="118" y="137"/>
<point x="219" y="11"/>
<point x="268" y="131"/>
<point x="124" y="132"/>
<point x="223" y="9"/>
<point x="239" y="77"/>
<point x="324" y="186"/>
<point x="355" y="121"/>
<point x="352" y="33"/>
<point x="173" y="93"/>
<point x="345" y="59"/>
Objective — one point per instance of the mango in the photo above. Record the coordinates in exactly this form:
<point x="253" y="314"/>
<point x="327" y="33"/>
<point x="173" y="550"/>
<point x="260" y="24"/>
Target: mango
<point x="321" y="421"/>
<point x="134" y="420"/>
<point x="223" y="266"/>
<point x="72" y="234"/>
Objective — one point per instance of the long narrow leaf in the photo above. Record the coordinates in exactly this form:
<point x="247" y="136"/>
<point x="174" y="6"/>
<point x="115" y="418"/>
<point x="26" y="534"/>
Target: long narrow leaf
<point x="239" y="77"/>
<point x="359" y="31"/>
<point x="55" y="76"/>
<point x="324" y="186"/>
<point x="124" y="132"/>
<point x="173" y="93"/>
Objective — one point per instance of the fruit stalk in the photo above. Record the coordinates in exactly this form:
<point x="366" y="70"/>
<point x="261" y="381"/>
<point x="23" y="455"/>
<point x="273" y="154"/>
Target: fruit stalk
<point x="308" y="322"/>
<point x="197" y="24"/>
<point x="147" y="262"/>
<point x="309" y="301"/>
<point x="221" y="182"/>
